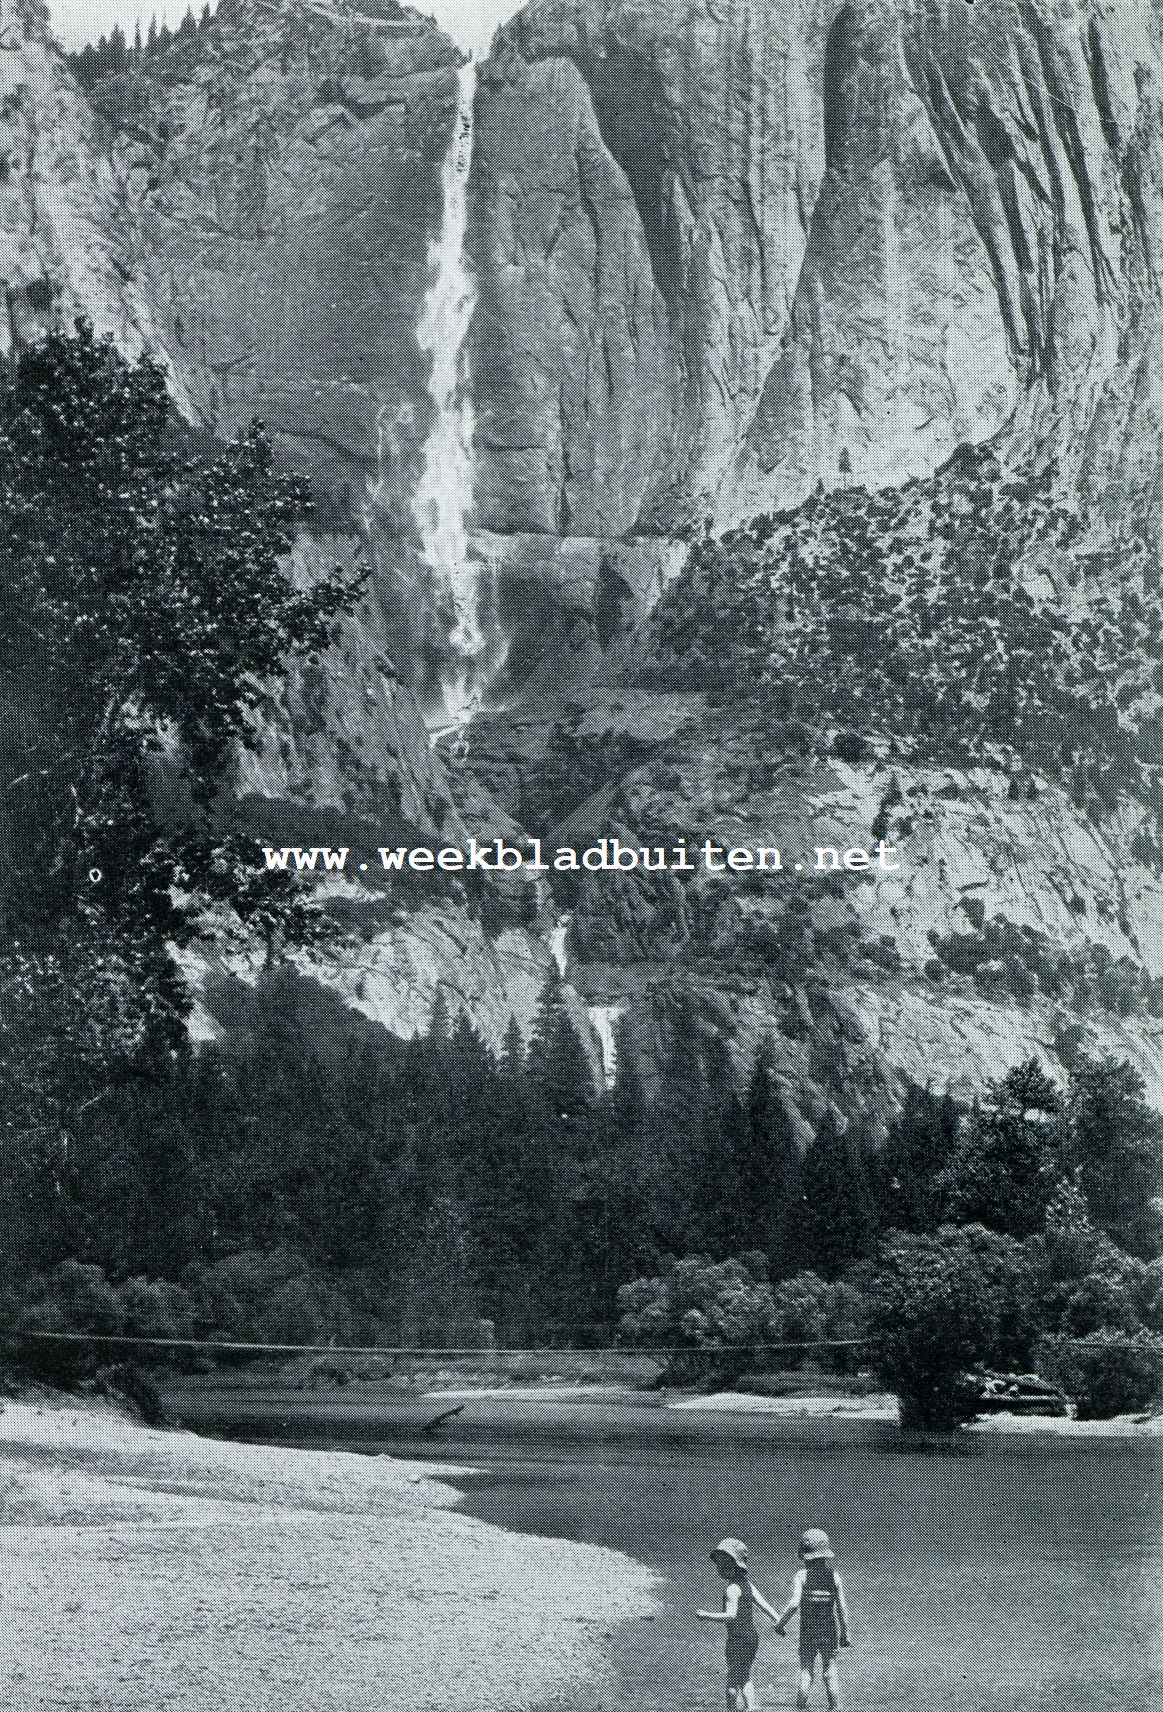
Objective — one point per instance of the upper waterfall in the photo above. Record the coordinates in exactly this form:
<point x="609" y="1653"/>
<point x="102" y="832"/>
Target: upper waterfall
<point x="444" y="494"/>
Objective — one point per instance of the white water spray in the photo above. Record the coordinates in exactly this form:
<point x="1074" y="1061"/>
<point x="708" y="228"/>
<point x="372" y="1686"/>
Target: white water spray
<point x="604" y="1020"/>
<point x="444" y="495"/>
<point x="557" y="949"/>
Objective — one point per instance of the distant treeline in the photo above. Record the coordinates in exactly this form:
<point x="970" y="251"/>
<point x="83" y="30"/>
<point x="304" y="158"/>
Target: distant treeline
<point x="314" y="1176"/>
<point x="115" y="54"/>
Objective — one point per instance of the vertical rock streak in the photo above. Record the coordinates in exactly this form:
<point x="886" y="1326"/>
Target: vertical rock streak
<point x="443" y="499"/>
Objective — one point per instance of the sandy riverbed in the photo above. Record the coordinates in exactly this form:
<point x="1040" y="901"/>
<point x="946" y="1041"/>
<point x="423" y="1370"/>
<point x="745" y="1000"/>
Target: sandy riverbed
<point x="881" y="1407"/>
<point x="160" y="1572"/>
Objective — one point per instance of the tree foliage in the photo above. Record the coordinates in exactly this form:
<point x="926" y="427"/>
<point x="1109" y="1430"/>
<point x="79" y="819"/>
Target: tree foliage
<point x="944" y="1304"/>
<point x="148" y="602"/>
<point x="1008" y="1156"/>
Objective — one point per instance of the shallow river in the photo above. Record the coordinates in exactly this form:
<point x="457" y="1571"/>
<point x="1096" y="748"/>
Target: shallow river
<point x="989" y="1573"/>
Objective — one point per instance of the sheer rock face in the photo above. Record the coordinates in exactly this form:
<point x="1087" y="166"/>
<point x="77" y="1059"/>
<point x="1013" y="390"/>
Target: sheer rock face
<point x="806" y="241"/>
<point x="643" y="174"/>
<point x="726" y="249"/>
<point x="65" y="247"/>
<point x="286" y="180"/>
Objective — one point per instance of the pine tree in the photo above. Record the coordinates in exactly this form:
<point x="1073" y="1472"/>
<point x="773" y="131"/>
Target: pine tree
<point x="921" y="1142"/>
<point x="557" y="1062"/>
<point x="1115" y="1143"/>
<point x="677" y="1166"/>
<point x="513" y="1051"/>
<point x="767" y="1174"/>
<point x="839" y="1224"/>
<point x="1009" y="1157"/>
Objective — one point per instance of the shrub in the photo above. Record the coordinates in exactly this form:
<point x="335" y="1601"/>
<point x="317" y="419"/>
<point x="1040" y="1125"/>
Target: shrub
<point x="79" y="1298"/>
<point x="1107" y="1299"/>
<point x="1107" y="1372"/>
<point x="727" y="1308"/>
<point x="943" y="1305"/>
<point x="1150" y="1297"/>
<point x="699" y="1304"/>
<point x="75" y="1297"/>
<point x="809" y="1309"/>
<point x="268" y="1298"/>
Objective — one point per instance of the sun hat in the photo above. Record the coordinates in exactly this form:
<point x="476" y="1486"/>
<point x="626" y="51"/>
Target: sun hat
<point x="734" y="1549"/>
<point x="815" y="1544"/>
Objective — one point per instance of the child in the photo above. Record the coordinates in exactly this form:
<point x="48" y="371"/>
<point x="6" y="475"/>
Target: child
<point x="739" y="1597"/>
<point x="818" y="1595"/>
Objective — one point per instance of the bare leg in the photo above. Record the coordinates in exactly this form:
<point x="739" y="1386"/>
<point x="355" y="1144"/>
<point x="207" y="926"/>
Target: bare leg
<point x="832" y="1685"/>
<point x="747" y="1697"/>
<point x="806" y="1673"/>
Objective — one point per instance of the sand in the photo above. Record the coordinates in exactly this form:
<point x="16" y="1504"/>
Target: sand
<point x="149" y="1571"/>
<point x="1065" y="1426"/>
<point x="884" y="1408"/>
<point x="880" y="1407"/>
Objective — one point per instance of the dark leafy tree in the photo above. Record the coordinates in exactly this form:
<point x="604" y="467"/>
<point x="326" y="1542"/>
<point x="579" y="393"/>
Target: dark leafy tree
<point x="943" y="1305"/>
<point x="148" y="602"/>
<point x="1008" y="1159"/>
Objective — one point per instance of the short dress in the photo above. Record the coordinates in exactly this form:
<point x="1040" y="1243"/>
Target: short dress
<point x="818" y="1633"/>
<point x="742" y="1637"/>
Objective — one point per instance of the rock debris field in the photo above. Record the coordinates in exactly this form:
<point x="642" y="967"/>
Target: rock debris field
<point x="161" y="1571"/>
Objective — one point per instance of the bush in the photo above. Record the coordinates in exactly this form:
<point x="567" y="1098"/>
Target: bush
<point x="1107" y="1299"/>
<point x="268" y="1298"/>
<point x="698" y="1303"/>
<point x="1151" y="1296"/>
<point x="75" y="1297"/>
<point x="1106" y="1373"/>
<point x="811" y="1309"/>
<point x="942" y="1306"/>
<point x="79" y="1298"/>
<point x="729" y="1308"/>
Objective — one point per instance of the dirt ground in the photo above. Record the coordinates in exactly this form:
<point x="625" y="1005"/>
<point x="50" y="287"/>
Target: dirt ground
<point x="161" y="1572"/>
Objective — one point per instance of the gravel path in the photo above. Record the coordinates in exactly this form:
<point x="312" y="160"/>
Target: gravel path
<point x="159" y="1572"/>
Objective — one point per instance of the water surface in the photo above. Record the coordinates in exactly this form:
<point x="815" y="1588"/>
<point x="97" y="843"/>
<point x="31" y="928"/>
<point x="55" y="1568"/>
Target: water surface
<point x="985" y="1574"/>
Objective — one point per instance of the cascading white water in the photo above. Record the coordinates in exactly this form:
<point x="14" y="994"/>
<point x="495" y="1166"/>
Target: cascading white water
<point x="604" y="1020"/>
<point x="557" y="950"/>
<point x="443" y="499"/>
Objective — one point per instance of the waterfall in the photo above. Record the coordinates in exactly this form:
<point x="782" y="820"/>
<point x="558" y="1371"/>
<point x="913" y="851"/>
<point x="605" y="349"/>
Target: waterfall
<point x="604" y="1019"/>
<point x="443" y="499"/>
<point x="557" y="950"/>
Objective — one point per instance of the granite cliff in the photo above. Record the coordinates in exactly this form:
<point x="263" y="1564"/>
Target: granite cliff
<point x="725" y="258"/>
<point x="65" y="223"/>
<point x="802" y="242"/>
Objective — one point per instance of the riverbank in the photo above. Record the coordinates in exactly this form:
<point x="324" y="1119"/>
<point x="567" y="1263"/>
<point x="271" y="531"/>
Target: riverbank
<point x="148" y="1568"/>
<point x="415" y="1420"/>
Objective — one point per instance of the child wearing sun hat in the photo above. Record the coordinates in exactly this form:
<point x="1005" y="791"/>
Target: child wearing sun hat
<point x="740" y="1596"/>
<point x="818" y="1595"/>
